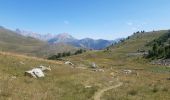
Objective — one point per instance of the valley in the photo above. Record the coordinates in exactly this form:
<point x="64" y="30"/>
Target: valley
<point x="84" y="50"/>
<point x="118" y="75"/>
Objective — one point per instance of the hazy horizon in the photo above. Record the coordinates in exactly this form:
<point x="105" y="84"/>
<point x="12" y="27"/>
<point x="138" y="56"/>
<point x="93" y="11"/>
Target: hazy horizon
<point x="97" y="19"/>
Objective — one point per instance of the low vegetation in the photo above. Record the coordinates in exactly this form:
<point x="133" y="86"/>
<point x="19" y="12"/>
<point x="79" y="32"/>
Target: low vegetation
<point x="140" y="86"/>
<point x="146" y="82"/>
<point x="160" y="47"/>
<point x="66" y="54"/>
<point x="61" y="83"/>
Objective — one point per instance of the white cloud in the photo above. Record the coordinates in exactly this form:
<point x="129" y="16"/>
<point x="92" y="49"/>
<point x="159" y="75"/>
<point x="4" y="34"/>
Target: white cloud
<point x="66" y="22"/>
<point x="130" y="23"/>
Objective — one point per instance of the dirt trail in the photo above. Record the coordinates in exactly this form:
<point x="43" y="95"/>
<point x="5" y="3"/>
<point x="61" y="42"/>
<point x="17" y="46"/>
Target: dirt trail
<point x="99" y="94"/>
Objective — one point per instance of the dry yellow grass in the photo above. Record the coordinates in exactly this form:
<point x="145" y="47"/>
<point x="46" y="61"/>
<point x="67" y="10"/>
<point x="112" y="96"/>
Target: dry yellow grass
<point x="147" y="82"/>
<point x="29" y="57"/>
<point x="62" y="83"/>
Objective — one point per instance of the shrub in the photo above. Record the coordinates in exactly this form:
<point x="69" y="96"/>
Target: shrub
<point x="65" y="54"/>
<point x="132" y="92"/>
<point x="165" y="89"/>
<point x="155" y="89"/>
<point x="160" y="47"/>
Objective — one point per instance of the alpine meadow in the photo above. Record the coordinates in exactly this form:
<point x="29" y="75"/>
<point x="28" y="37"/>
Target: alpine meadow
<point x="84" y="50"/>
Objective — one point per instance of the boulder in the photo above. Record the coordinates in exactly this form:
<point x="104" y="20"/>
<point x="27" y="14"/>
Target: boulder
<point x="94" y="65"/>
<point x="69" y="63"/>
<point x="35" y="72"/>
<point x="44" y="68"/>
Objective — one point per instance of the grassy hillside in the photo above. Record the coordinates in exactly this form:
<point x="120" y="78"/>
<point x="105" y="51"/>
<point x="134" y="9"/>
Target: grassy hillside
<point x="10" y="41"/>
<point x="49" y="50"/>
<point x="13" y="42"/>
<point x="146" y="82"/>
<point x="62" y="83"/>
<point x="160" y="47"/>
<point x="138" y="41"/>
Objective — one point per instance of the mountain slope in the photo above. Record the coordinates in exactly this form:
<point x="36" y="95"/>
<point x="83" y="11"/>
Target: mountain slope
<point x="34" y="35"/>
<point x="95" y="44"/>
<point x="62" y="38"/>
<point x="138" y="41"/>
<point x="120" y="51"/>
<point x="145" y="80"/>
<point x="54" y="49"/>
<point x="13" y="42"/>
<point x="160" y="47"/>
<point x="82" y="82"/>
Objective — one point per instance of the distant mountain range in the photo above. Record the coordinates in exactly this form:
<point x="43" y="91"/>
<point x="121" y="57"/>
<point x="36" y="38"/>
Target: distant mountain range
<point x="35" y="35"/>
<point x="10" y="41"/>
<point x="87" y="43"/>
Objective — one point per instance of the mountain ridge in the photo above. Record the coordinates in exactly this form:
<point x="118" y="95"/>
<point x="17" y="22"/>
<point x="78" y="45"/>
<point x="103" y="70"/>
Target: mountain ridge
<point x="11" y="41"/>
<point x="87" y="43"/>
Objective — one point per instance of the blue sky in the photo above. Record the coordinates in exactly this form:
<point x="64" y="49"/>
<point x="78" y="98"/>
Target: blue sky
<point x="107" y="19"/>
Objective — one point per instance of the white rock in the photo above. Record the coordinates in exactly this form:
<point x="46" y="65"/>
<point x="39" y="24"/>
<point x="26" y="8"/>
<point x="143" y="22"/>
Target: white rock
<point x="88" y="86"/>
<point x="101" y="70"/>
<point x="44" y="68"/>
<point x="94" y="65"/>
<point x="127" y="71"/>
<point x="22" y="63"/>
<point x="68" y="63"/>
<point x="36" y="73"/>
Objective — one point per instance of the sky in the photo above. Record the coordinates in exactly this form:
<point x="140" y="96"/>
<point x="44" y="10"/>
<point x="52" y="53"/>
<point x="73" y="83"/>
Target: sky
<point x="106" y="19"/>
